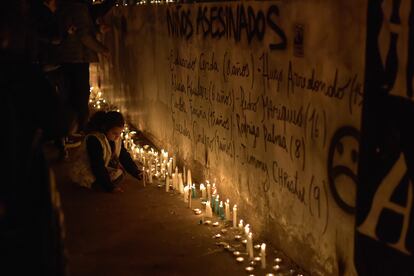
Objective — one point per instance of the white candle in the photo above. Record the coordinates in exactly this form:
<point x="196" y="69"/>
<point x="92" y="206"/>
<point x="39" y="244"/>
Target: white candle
<point x="203" y="191"/>
<point x="189" y="180"/>
<point x="144" y="175"/>
<point x="180" y="183"/>
<point x="208" y="191"/>
<point x="169" y="165"/>
<point x="263" y="255"/>
<point x="241" y="224"/>
<point x="190" y="195"/>
<point x="249" y="245"/>
<point x="176" y="185"/>
<point x="247" y="229"/>
<point x="165" y="155"/>
<point x="209" y="212"/>
<point x="234" y="216"/>
<point x="186" y="194"/>
<point x="167" y="184"/>
<point x="227" y="209"/>
<point x="150" y="176"/>
<point x="173" y="179"/>
<point x="163" y="166"/>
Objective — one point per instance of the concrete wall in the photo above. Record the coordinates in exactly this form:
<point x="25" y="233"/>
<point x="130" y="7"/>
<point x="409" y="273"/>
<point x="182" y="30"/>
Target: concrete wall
<point x="262" y="97"/>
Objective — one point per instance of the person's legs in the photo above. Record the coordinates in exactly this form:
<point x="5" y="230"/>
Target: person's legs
<point x="77" y="78"/>
<point x="56" y="78"/>
<point x="81" y="96"/>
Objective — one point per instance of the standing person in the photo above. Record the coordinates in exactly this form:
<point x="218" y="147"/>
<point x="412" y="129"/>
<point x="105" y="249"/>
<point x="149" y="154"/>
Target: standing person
<point x="103" y="159"/>
<point x="76" y="52"/>
<point x="49" y="38"/>
<point x="31" y="228"/>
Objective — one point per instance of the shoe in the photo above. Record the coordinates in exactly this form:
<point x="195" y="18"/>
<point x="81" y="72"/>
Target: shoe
<point x="73" y="141"/>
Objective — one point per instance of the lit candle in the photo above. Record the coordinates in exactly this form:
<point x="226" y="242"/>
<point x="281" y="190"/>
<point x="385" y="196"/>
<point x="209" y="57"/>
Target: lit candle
<point x="203" y="191"/>
<point x="214" y="189"/>
<point x="209" y="212"/>
<point x="163" y="167"/>
<point x="263" y="255"/>
<point x="189" y="180"/>
<point x="193" y="191"/>
<point x="190" y="194"/>
<point x="208" y="191"/>
<point x="170" y="166"/>
<point x="217" y="204"/>
<point x="221" y="210"/>
<point x="186" y="194"/>
<point x="167" y="184"/>
<point x="227" y="209"/>
<point x="249" y="245"/>
<point x="241" y="224"/>
<point x="165" y="155"/>
<point x="234" y="216"/>
<point x="173" y="179"/>
<point x="176" y="185"/>
<point x="144" y="176"/>
<point x="180" y="183"/>
<point x="247" y="229"/>
<point x="150" y="176"/>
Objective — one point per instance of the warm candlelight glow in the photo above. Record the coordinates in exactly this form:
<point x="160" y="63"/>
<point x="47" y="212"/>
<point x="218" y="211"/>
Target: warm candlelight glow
<point x="263" y="255"/>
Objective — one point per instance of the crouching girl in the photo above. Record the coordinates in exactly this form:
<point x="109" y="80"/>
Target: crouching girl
<point x="102" y="159"/>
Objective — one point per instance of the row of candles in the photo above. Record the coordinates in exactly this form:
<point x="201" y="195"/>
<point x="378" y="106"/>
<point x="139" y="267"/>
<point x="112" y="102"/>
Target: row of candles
<point x="160" y="165"/>
<point x="142" y="2"/>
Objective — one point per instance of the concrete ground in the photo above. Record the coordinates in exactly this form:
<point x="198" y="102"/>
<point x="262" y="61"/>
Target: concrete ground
<point x="146" y="231"/>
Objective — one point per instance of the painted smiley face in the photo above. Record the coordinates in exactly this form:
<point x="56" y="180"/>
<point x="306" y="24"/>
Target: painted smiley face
<point x="343" y="167"/>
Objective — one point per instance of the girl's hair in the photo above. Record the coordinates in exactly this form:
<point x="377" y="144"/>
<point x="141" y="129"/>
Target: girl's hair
<point x="113" y="119"/>
<point x="103" y="121"/>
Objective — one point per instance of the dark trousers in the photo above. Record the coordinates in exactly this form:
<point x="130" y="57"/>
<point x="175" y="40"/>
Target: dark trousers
<point x="77" y="89"/>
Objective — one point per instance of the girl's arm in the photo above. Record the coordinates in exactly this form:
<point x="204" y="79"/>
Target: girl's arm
<point x="129" y="165"/>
